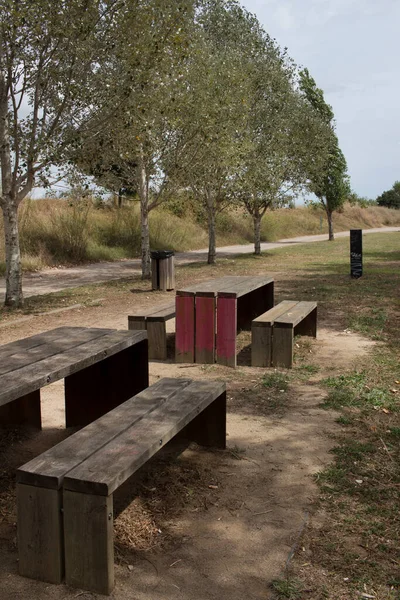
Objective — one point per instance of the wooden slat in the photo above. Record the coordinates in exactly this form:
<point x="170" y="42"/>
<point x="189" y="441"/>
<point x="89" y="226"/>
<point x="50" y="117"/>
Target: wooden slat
<point x="48" y="348"/>
<point x="292" y="317"/>
<point x="49" y="469"/>
<point x="242" y="286"/>
<point x="108" y="468"/>
<point x="184" y="329"/>
<point x="226" y="331"/>
<point x="269" y="317"/>
<point x="35" y="340"/>
<point x="205" y="330"/>
<point x="23" y="381"/>
<point x="164" y="312"/>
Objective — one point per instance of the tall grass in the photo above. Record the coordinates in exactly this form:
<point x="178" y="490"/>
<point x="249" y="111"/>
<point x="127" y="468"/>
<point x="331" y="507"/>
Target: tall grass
<point x="57" y="232"/>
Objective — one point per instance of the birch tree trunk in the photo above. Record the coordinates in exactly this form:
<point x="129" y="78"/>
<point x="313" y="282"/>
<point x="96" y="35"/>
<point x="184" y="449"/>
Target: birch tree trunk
<point x="257" y="232"/>
<point x="144" y="220"/>
<point x="9" y="206"/>
<point x="211" y="215"/>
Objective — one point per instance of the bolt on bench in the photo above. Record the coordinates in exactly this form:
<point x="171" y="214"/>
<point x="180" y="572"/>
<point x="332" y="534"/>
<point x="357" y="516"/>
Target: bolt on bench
<point x="154" y="321"/>
<point x="80" y="475"/>
<point x="273" y="332"/>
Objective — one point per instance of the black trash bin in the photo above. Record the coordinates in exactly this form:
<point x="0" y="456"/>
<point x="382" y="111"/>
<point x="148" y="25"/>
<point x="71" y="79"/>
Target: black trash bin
<point x="163" y="270"/>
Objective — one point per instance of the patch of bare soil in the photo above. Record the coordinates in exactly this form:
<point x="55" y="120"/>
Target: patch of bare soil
<point x="200" y="524"/>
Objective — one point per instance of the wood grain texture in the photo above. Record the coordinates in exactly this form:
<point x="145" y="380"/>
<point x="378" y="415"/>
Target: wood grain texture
<point x="23" y="412"/>
<point x="40" y="535"/>
<point x="226" y="331"/>
<point x="89" y="542"/>
<point x="292" y="317"/>
<point x="49" y="468"/>
<point x="205" y="329"/>
<point x="270" y="315"/>
<point x="185" y="328"/>
<point x="261" y="346"/>
<point x="111" y="466"/>
<point x="157" y="336"/>
<point x="80" y="355"/>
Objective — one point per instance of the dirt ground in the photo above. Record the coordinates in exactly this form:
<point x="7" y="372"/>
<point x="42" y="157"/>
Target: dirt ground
<point x="202" y="525"/>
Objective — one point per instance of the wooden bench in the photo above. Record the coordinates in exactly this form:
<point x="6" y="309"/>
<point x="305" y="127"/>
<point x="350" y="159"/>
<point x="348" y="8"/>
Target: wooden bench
<point x="81" y="474"/>
<point x="272" y="333"/>
<point x="154" y="321"/>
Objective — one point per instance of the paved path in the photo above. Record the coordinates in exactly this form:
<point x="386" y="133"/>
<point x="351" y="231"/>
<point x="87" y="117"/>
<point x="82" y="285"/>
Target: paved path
<point x="57" y="279"/>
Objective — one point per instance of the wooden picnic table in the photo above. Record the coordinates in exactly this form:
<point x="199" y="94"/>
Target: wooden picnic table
<point x="102" y="368"/>
<point x="209" y="315"/>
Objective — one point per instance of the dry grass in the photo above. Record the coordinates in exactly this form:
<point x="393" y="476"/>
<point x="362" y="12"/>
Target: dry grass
<point x="57" y="232"/>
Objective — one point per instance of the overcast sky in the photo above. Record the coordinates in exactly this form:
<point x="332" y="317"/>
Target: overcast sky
<point x="351" y="48"/>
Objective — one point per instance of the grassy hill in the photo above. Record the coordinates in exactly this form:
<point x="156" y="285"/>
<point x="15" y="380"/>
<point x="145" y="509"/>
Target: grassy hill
<point x="55" y="232"/>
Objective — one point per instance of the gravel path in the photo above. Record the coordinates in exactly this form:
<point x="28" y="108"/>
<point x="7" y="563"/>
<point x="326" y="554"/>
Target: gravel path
<point x="57" y="279"/>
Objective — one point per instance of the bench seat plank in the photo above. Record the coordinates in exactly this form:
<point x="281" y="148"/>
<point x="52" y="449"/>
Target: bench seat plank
<point x="292" y="317"/>
<point x="261" y="334"/>
<point x="269" y="317"/>
<point x="36" y="340"/>
<point x="48" y="469"/>
<point x="107" y="469"/>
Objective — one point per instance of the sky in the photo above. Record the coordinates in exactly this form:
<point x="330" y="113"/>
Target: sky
<point x="352" y="50"/>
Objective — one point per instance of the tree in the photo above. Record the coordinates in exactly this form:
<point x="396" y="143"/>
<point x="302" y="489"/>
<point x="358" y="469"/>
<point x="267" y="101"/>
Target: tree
<point x="215" y="112"/>
<point x="47" y="82"/>
<point x="140" y="149"/>
<point x="331" y="185"/>
<point x="390" y="198"/>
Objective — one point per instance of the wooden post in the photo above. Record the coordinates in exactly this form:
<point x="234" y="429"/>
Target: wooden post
<point x="157" y="336"/>
<point x="94" y="391"/>
<point x="40" y="533"/>
<point x="261" y="345"/>
<point x="282" y="346"/>
<point x="24" y="411"/>
<point x="89" y="541"/>
<point x="205" y="329"/>
<point x="209" y="428"/>
<point x="184" y="328"/>
<point x="226" y="331"/>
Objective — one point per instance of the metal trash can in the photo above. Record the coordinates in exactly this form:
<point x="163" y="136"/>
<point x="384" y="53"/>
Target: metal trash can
<point x="163" y="270"/>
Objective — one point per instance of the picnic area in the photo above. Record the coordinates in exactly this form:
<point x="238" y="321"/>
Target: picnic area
<point x="204" y="492"/>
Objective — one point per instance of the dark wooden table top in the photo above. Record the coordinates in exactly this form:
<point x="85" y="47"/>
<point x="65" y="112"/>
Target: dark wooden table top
<point x="229" y="286"/>
<point x="34" y="362"/>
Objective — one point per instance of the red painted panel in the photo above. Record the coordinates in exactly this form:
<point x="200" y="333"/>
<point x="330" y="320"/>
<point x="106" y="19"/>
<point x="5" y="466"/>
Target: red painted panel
<point x="226" y="331"/>
<point x="205" y="330"/>
<point x="184" y="328"/>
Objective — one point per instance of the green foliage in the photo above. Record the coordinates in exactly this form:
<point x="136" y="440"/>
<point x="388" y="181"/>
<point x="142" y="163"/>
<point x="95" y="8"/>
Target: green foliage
<point x="277" y="381"/>
<point x="390" y="198"/>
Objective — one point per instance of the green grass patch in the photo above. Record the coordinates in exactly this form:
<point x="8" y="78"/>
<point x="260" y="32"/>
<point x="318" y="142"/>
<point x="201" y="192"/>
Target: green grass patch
<point x="277" y="381"/>
<point x="287" y="588"/>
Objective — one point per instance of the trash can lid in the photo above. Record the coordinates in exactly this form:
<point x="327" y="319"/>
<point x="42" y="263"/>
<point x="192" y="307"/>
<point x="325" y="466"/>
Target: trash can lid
<point x="162" y="253"/>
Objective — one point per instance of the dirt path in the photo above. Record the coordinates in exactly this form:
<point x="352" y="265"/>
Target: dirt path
<point x="57" y="279"/>
<point x="208" y="525"/>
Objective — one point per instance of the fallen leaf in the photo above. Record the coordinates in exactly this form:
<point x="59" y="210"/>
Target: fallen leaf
<point x="359" y="480"/>
<point x="213" y="487"/>
<point x="386" y="411"/>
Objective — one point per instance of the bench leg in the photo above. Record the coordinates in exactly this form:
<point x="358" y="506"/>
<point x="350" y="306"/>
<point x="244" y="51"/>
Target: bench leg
<point x="209" y="428"/>
<point x="40" y="533"/>
<point x="282" y="347"/>
<point x="261" y="346"/>
<point x="226" y="331"/>
<point x="96" y="390"/>
<point x="308" y="326"/>
<point x="157" y="336"/>
<point x="23" y="411"/>
<point x="137" y="325"/>
<point x="89" y="543"/>
<point x="205" y="330"/>
<point x="184" y="328"/>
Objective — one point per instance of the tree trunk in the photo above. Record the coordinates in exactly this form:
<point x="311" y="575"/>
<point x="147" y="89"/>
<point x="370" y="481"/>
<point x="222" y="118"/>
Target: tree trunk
<point x="9" y="205"/>
<point x="144" y="221"/>
<point x="211" y="214"/>
<point x="257" y="233"/>
<point x="14" y="297"/>
<point x="330" y="224"/>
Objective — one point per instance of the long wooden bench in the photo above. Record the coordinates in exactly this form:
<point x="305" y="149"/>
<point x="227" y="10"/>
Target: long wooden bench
<point x="154" y="321"/>
<point x="39" y="482"/>
<point x="81" y="474"/>
<point x="273" y="332"/>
